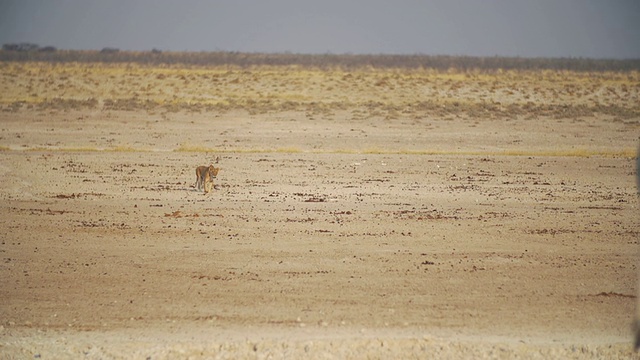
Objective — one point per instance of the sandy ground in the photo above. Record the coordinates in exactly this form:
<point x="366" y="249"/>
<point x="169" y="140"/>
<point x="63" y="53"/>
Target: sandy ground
<point x="324" y="237"/>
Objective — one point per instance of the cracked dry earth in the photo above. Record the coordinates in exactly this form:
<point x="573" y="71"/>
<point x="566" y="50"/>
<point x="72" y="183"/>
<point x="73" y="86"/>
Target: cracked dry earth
<point x="110" y="254"/>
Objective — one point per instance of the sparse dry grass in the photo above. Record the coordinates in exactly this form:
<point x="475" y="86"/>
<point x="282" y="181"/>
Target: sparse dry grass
<point x="64" y="149"/>
<point x="128" y="148"/>
<point x="390" y="93"/>
<point x="583" y="152"/>
<point x="144" y="98"/>
<point x="185" y="147"/>
<point x="624" y="153"/>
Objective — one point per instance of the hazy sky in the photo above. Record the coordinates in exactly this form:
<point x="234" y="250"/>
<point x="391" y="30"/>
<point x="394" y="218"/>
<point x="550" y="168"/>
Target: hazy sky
<point x="529" y="28"/>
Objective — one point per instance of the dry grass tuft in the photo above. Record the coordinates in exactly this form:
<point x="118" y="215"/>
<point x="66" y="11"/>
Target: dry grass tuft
<point x="195" y="148"/>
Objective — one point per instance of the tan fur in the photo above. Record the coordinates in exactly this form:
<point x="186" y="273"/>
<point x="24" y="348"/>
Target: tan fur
<point x="205" y="176"/>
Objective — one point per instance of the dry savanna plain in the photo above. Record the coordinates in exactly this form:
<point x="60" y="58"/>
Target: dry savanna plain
<point x="358" y="213"/>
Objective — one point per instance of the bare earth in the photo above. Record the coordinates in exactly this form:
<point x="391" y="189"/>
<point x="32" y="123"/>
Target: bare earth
<point x="326" y="236"/>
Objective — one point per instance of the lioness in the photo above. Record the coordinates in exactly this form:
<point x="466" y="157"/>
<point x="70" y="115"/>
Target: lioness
<point x="205" y="175"/>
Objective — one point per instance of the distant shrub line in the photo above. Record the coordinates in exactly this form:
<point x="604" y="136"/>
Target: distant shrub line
<point x="323" y="61"/>
<point x="373" y="108"/>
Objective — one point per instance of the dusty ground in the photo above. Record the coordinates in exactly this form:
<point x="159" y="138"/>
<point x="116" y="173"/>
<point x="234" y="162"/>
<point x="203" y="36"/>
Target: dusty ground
<point x="328" y="235"/>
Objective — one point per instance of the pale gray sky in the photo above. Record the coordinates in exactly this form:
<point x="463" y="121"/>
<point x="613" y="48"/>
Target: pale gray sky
<point x="528" y="28"/>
